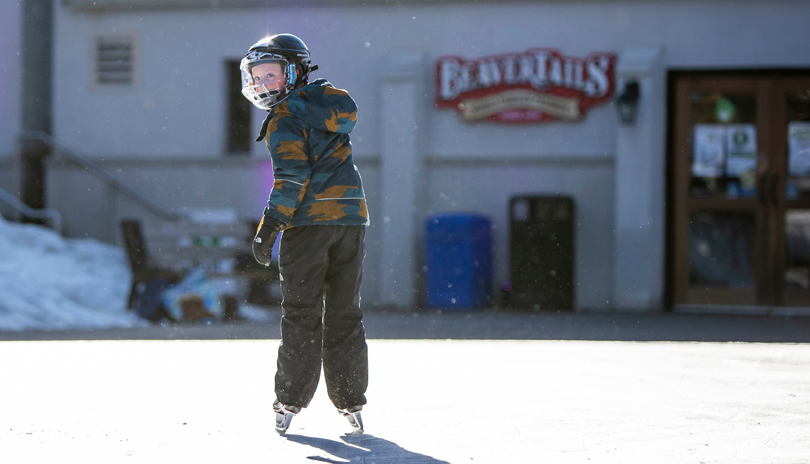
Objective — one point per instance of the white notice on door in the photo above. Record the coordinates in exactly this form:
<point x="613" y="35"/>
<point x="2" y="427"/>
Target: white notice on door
<point x="741" y="140"/>
<point x="708" y="150"/>
<point x="799" y="148"/>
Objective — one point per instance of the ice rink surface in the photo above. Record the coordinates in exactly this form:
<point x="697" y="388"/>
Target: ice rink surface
<point x="430" y="401"/>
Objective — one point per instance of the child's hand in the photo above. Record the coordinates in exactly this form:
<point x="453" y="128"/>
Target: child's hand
<point x="265" y="238"/>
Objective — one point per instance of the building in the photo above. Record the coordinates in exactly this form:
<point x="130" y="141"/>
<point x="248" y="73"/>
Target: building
<point x="655" y="229"/>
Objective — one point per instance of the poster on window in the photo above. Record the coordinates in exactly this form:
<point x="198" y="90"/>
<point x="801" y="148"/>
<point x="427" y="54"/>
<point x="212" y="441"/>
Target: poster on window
<point x="799" y="148"/>
<point x="741" y="147"/>
<point x="709" y="153"/>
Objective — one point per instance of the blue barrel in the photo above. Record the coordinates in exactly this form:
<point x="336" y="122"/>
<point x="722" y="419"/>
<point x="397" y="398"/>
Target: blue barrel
<point x="459" y="261"/>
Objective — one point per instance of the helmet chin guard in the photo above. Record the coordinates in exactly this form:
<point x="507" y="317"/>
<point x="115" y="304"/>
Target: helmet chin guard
<point x="273" y="68"/>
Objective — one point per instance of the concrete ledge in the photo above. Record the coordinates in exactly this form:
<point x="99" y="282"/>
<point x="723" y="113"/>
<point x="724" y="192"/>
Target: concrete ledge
<point x="397" y="324"/>
<point x="743" y="310"/>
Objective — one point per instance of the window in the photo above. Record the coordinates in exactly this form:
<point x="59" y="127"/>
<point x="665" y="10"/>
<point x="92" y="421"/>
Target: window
<point x="115" y="60"/>
<point x="239" y="109"/>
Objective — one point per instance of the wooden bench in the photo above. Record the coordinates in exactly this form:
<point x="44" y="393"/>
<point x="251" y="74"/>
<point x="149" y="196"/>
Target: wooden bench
<point x="171" y="249"/>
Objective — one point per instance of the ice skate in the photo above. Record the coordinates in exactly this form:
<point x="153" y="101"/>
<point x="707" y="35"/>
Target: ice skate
<point x="284" y="415"/>
<point x="354" y="417"/>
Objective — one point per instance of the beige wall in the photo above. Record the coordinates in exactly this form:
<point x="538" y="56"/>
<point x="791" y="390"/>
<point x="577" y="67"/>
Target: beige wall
<point x="177" y="112"/>
<point x="91" y="208"/>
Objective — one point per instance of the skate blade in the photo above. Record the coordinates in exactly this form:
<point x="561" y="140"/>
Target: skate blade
<point x="356" y="421"/>
<point x="283" y="422"/>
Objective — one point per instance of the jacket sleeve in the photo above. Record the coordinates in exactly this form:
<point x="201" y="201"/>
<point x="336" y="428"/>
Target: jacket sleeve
<point x="286" y="140"/>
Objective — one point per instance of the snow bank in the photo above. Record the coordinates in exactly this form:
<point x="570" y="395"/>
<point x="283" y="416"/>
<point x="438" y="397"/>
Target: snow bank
<point x="48" y="282"/>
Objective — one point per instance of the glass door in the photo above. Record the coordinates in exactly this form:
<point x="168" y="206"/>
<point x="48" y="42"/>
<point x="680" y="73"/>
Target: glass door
<point x="791" y="108"/>
<point x="724" y="184"/>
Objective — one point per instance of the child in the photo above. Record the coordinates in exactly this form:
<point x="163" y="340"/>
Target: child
<point x="318" y="201"/>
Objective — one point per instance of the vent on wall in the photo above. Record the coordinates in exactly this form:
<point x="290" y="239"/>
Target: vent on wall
<point x="115" y="60"/>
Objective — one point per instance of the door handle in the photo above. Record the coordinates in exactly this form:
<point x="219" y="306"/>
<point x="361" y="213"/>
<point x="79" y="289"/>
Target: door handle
<point x="762" y="188"/>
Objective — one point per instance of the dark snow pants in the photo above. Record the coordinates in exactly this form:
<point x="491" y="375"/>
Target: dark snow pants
<point x="321" y="270"/>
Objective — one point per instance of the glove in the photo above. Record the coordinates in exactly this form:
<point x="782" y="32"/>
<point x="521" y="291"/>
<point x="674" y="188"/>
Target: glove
<point x="265" y="239"/>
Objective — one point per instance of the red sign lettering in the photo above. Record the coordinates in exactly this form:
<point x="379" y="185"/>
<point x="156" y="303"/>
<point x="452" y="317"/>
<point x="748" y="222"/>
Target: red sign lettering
<point x="534" y="86"/>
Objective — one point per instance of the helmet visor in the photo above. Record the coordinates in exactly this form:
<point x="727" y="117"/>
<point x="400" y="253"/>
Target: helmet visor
<point x="266" y="79"/>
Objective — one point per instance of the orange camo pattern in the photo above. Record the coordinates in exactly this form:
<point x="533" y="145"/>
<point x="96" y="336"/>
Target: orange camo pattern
<point x="336" y="191"/>
<point x="328" y="210"/>
<point x="342" y="152"/>
<point x="273" y="126"/>
<point x="286" y="211"/>
<point x="332" y="123"/>
<point x="303" y="191"/>
<point x="291" y="150"/>
<point x="281" y="112"/>
<point x="328" y="90"/>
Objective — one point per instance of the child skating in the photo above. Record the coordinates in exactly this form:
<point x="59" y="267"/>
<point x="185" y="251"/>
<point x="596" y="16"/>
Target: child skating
<point x="318" y="202"/>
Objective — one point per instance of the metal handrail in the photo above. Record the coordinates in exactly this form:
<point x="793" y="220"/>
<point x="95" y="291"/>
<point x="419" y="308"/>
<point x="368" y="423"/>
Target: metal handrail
<point x="22" y="208"/>
<point x="101" y="173"/>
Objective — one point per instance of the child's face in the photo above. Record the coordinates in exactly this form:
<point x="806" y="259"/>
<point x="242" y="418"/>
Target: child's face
<point x="269" y="75"/>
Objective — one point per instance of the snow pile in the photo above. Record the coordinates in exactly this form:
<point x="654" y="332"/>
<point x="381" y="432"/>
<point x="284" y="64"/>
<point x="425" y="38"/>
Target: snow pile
<point x="48" y="282"/>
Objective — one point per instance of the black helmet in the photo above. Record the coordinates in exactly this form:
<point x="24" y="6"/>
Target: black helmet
<point x="273" y="67"/>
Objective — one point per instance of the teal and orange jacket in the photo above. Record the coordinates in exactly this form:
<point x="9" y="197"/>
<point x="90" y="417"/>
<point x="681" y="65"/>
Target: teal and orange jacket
<point x="315" y="180"/>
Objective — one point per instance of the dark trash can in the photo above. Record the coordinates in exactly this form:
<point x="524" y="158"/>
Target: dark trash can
<point x="541" y="250"/>
<point x="459" y="261"/>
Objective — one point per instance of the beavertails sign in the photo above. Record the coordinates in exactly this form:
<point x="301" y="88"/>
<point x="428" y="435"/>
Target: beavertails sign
<point x="537" y="85"/>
